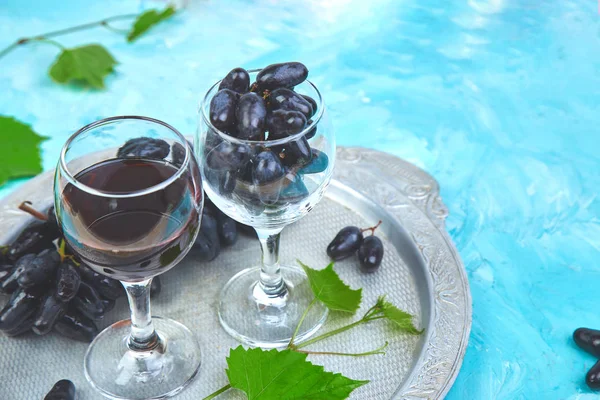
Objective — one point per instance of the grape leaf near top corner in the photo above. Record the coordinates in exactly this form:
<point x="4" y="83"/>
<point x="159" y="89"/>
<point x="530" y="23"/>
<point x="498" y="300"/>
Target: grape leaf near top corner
<point x="331" y="290"/>
<point x="284" y="375"/>
<point x="88" y="65"/>
<point x="147" y="20"/>
<point x="19" y="151"/>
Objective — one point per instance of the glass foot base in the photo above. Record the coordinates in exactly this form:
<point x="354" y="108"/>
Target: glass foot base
<point x="269" y="322"/>
<point x="120" y="373"/>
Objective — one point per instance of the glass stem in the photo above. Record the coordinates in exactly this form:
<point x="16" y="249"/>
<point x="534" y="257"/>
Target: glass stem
<point x="143" y="336"/>
<point x="271" y="281"/>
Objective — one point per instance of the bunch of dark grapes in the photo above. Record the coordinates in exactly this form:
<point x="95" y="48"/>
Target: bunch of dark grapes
<point x="216" y="230"/>
<point x="269" y="109"/>
<point x="350" y="240"/>
<point x="50" y="289"/>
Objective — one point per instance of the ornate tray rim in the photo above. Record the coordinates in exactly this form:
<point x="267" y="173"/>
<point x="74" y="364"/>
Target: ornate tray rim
<point x="441" y="355"/>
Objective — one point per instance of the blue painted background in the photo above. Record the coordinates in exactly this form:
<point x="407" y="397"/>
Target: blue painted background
<point x="498" y="99"/>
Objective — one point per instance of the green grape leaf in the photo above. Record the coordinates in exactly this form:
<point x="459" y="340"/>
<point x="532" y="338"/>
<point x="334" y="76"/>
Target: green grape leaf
<point x="284" y="375"/>
<point x="401" y="319"/>
<point x="147" y="20"/>
<point x="88" y="65"/>
<point x="19" y="152"/>
<point x="331" y="290"/>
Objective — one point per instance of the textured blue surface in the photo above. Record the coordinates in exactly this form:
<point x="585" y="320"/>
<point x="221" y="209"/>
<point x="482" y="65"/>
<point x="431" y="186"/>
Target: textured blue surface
<point x="498" y="99"/>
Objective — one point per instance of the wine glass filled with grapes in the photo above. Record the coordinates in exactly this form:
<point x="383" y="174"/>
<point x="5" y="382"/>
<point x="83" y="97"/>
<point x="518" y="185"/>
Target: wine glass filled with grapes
<point x="128" y="198"/>
<point x="266" y="151"/>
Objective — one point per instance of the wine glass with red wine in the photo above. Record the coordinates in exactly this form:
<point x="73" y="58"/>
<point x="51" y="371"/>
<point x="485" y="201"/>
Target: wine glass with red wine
<point x="128" y="198"/>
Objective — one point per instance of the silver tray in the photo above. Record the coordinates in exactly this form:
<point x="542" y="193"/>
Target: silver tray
<point x="421" y="273"/>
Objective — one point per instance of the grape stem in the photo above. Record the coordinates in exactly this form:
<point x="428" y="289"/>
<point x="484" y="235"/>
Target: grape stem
<point x="378" y="350"/>
<point x="26" y="206"/>
<point x="372" y="314"/>
<point x="312" y="303"/>
<point x="372" y="229"/>
<point x="45" y="36"/>
<point x="218" y="392"/>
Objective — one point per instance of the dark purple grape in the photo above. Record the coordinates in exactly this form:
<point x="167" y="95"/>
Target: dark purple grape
<point x="593" y="377"/>
<point x="281" y="75"/>
<point x="178" y="154"/>
<point x="33" y="239"/>
<point x="76" y="326"/>
<point x="52" y="221"/>
<point x="21" y="306"/>
<point x="227" y="182"/>
<point x="50" y="310"/>
<point x="62" y="390"/>
<point x="41" y="270"/>
<point x="312" y="102"/>
<point x="144" y="147"/>
<point x="345" y="243"/>
<point x="213" y="139"/>
<point x="203" y="248"/>
<point x="318" y="163"/>
<point x="88" y="302"/>
<point x="67" y="282"/>
<point x="286" y="99"/>
<point x="245" y="174"/>
<point x="207" y="244"/>
<point x="222" y="109"/>
<point x="296" y="153"/>
<point x="108" y="305"/>
<point x="210" y="229"/>
<point x="267" y="168"/>
<point x="588" y="340"/>
<point x="370" y="254"/>
<point x="282" y="123"/>
<point x="227" y="229"/>
<point x="11" y="282"/>
<point x="21" y="328"/>
<point x="155" y="286"/>
<point x="251" y="114"/>
<point x="107" y="287"/>
<point x="228" y="156"/>
<point x="237" y="80"/>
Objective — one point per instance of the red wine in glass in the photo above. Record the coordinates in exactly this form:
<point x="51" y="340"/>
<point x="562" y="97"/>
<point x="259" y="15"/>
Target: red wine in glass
<point x="130" y="238"/>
